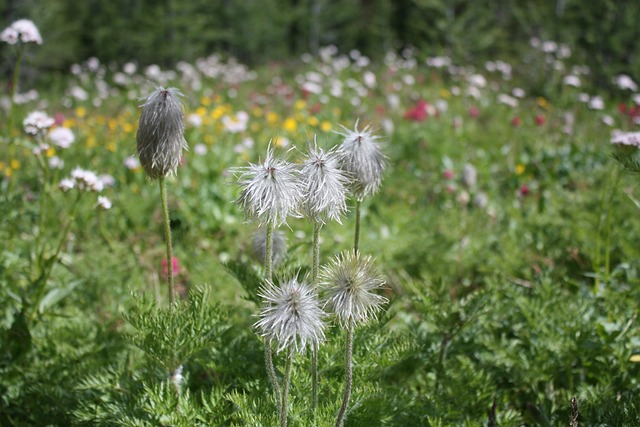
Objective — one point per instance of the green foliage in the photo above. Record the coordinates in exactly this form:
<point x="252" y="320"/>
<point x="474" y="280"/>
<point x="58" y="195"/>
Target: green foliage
<point x="170" y="335"/>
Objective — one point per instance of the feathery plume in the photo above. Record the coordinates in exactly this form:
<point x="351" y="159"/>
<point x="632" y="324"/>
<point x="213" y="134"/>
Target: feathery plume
<point x="291" y="315"/>
<point x="160" y="138"/>
<point x="271" y="190"/>
<point x="362" y="158"/>
<point x="325" y="185"/>
<point x="349" y="281"/>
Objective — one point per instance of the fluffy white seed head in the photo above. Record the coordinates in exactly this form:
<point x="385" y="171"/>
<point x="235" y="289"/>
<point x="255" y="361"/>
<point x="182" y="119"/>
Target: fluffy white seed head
<point x="349" y="282"/>
<point x="160" y="138"/>
<point x="271" y="190"/>
<point x="291" y="315"/>
<point x="325" y="185"/>
<point x="362" y="158"/>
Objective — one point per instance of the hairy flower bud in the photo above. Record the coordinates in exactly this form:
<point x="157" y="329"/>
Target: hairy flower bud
<point x="160" y="137"/>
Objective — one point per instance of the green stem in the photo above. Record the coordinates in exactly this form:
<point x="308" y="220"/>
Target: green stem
<point x="268" y="256"/>
<point x="47" y="267"/>
<point x="314" y="350"/>
<point x="348" y="377"/>
<point x="14" y="85"/>
<point x="42" y="214"/>
<point x="285" y="389"/>
<point x="167" y="235"/>
<point x="356" y="240"/>
<point x="607" y="250"/>
<point x="268" y="353"/>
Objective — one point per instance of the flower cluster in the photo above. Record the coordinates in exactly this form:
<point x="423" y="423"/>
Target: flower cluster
<point x="83" y="180"/>
<point x="37" y="122"/>
<point x="22" y="30"/>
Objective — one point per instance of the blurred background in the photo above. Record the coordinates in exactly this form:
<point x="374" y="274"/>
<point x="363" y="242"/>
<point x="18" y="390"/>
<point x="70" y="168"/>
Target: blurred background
<point x="602" y="34"/>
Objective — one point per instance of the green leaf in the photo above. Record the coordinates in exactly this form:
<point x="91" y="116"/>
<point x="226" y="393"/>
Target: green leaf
<point x="56" y="295"/>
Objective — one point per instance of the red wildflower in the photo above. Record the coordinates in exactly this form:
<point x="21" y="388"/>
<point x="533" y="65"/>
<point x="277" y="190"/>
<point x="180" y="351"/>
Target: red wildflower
<point x="474" y="112"/>
<point x="515" y="122"/>
<point x="418" y="112"/>
<point x="174" y="263"/>
<point x="448" y="174"/>
<point x="540" y="120"/>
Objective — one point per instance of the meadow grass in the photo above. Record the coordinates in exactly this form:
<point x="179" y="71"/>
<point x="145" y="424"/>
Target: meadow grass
<point x="506" y="233"/>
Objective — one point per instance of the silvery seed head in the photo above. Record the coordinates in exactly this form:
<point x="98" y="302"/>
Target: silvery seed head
<point x="349" y="282"/>
<point x="259" y="246"/>
<point x="325" y="185"/>
<point x="160" y="138"/>
<point x="291" y="315"/>
<point x="362" y="158"/>
<point x="271" y="190"/>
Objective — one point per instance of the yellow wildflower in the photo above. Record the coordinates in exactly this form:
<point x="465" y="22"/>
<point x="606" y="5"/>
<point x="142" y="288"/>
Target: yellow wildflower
<point x="520" y="169"/>
<point x="81" y="112"/>
<point x="290" y="125"/>
<point x="325" y="126"/>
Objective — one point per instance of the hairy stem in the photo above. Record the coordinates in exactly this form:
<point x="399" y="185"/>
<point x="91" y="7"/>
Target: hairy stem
<point x="348" y="377"/>
<point x="356" y="239"/>
<point x="167" y="235"/>
<point x="314" y="350"/>
<point x="285" y="389"/>
<point x="268" y="352"/>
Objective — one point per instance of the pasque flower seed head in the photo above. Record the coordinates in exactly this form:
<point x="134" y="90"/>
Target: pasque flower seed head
<point x="291" y="315"/>
<point x="325" y="185"/>
<point x="271" y="190"/>
<point x="362" y="158"/>
<point x="160" y="137"/>
<point x="349" y="282"/>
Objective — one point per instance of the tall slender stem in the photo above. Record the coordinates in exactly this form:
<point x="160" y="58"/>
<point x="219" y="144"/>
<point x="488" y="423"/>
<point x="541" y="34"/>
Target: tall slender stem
<point x="356" y="240"/>
<point x="167" y="235"/>
<point x="314" y="349"/>
<point x="14" y="86"/>
<point x="316" y="253"/>
<point x="348" y="377"/>
<point x="268" y="256"/>
<point x="39" y="246"/>
<point x="47" y="267"/>
<point x="268" y="353"/>
<point x="285" y="389"/>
